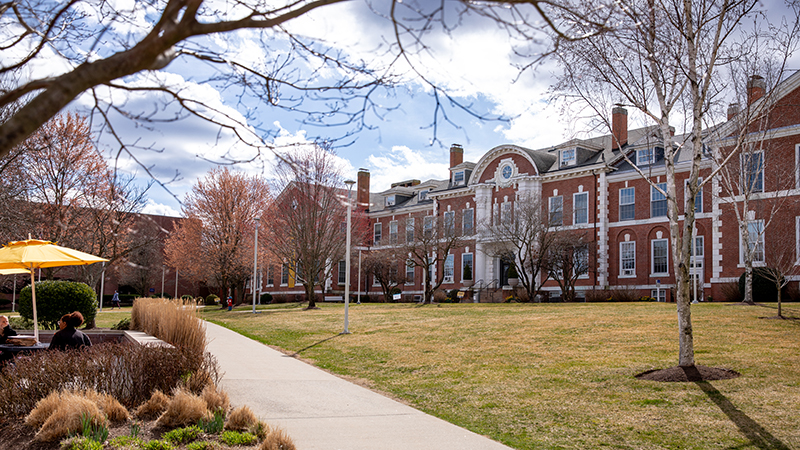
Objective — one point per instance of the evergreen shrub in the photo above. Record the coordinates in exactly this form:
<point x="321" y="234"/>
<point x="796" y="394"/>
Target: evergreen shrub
<point x="56" y="298"/>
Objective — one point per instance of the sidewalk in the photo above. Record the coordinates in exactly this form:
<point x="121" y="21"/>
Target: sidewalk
<point x="321" y="411"/>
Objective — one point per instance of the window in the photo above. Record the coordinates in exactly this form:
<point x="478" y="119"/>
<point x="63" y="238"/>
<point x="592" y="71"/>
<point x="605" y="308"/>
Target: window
<point x="698" y="199"/>
<point x="270" y="275"/>
<point x="658" y="202"/>
<point x="409" y="272"/>
<point x="423" y="195"/>
<point x="627" y="203"/>
<point x="753" y="165"/>
<point x="410" y="229"/>
<point x="568" y="157"/>
<point x="659" y="294"/>
<point x="645" y="157"/>
<point x="755" y="229"/>
<point x="505" y="213"/>
<point x="393" y="232"/>
<point x="660" y="252"/>
<point x="284" y="274"/>
<point x="448" y="269"/>
<point x="627" y="257"/>
<point x="458" y="177"/>
<point x="580" y="261"/>
<point x="376" y="234"/>
<point x="580" y="202"/>
<point x="427" y="226"/>
<point x="342" y="272"/>
<point x="390" y="200"/>
<point x="449" y="223"/>
<point x="556" y="211"/>
<point x="466" y="260"/>
<point x="468" y="222"/>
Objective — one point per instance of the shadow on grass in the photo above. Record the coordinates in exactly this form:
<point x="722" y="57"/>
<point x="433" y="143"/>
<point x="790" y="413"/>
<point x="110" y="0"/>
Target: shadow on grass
<point x="297" y="353"/>
<point x="757" y="434"/>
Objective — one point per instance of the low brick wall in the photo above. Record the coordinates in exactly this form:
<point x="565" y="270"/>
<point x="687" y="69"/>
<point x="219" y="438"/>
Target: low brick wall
<point x="100" y="336"/>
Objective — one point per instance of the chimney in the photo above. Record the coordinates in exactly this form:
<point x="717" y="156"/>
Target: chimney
<point x="619" y="126"/>
<point x="456" y="155"/>
<point x="362" y="196"/>
<point x="756" y="88"/>
<point x="733" y="110"/>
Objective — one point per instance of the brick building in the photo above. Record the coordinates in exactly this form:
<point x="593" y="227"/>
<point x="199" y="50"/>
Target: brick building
<point x="591" y="187"/>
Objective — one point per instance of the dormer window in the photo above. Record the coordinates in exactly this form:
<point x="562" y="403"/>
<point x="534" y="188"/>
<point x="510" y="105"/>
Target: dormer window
<point x="568" y="157"/>
<point x="645" y="157"/>
<point x="423" y="194"/>
<point x="458" y="177"/>
<point x="390" y="200"/>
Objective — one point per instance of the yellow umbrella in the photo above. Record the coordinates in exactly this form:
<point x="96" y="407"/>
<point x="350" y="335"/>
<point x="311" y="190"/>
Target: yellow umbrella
<point x="35" y="254"/>
<point x="13" y="271"/>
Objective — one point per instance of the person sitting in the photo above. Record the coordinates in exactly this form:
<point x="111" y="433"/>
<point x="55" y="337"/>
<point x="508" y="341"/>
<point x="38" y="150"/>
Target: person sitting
<point x="5" y="332"/>
<point x="68" y="336"/>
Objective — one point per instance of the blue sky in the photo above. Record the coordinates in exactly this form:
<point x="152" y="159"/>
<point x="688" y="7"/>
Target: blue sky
<point x="474" y="63"/>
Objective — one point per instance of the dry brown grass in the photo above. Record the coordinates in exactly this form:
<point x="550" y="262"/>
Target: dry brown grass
<point x="241" y="418"/>
<point x="562" y="375"/>
<point x="44" y="408"/>
<point x="153" y="407"/>
<point x="172" y="321"/>
<point x="277" y="439"/>
<point x="198" y="381"/>
<point x="113" y="409"/>
<point x="66" y="418"/>
<point x="183" y="409"/>
<point x="216" y="399"/>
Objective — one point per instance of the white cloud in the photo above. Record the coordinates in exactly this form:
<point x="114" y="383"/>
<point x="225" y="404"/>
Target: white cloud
<point x="403" y="163"/>
<point x="159" y="209"/>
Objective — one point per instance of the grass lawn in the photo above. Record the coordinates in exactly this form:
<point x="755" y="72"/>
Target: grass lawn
<point x="540" y="376"/>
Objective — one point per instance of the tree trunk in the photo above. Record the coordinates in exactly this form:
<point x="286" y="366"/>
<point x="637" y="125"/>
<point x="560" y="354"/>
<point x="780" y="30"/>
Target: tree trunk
<point x="310" y="296"/>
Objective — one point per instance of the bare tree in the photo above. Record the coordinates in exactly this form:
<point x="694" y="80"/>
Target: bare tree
<point x="663" y="55"/>
<point x="306" y="223"/>
<point x="781" y="262"/>
<point x="527" y="236"/>
<point x="434" y="238"/>
<point x="106" y="54"/>
<point x="142" y="266"/>
<point x="215" y="244"/>
<point x="566" y="260"/>
<point x="387" y="266"/>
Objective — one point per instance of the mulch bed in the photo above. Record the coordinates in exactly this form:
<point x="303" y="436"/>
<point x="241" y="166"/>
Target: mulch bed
<point x="681" y="374"/>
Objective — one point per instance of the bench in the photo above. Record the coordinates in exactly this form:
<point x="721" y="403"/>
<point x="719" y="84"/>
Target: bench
<point x="334" y="298"/>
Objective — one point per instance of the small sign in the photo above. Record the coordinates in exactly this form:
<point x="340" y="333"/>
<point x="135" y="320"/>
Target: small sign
<point x="460" y="294"/>
<point x="397" y="296"/>
<point x="152" y="290"/>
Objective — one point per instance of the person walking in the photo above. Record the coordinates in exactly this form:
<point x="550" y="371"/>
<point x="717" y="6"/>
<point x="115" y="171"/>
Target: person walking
<point x="230" y="303"/>
<point x="115" y="300"/>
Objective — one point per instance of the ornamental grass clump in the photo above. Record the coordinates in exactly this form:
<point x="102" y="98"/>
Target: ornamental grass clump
<point x="241" y="419"/>
<point x="71" y="417"/>
<point x="172" y="321"/>
<point x="184" y="408"/>
<point x="277" y="439"/>
<point x="216" y="399"/>
<point x="153" y="407"/>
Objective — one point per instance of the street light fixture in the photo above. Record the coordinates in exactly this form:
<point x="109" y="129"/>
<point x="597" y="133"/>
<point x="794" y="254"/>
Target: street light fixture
<point x="255" y="266"/>
<point x="349" y="184"/>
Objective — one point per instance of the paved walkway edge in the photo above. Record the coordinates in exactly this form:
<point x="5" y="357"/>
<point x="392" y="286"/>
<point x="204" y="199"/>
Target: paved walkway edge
<point x="321" y="411"/>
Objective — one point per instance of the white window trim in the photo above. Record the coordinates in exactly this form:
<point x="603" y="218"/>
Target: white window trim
<point x="575" y="210"/>
<point x="339" y="278"/>
<point x="797" y="239"/>
<point x="377" y="232"/>
<point x="656" y="292"/>
<point x="463" y="177"/>
<point x="762" y="238"/>
<point x="462" y="265"/>
<point x="564" y="162"/>
<point x="797" y="172"/>
<point x="452" y="260"/>
<point x="653" y="192"/>
<point x="410" y="223"/>
<point x="700" y="193"/>
<point x="472" y="228"/>
<point x="393" y="236"/>
<point x="413" y="271"/>
<point x="288" y="275"/>
<point x="626" y="204"/>
<point x="550" y="210"/>
<point x="745" y="174"/>
<point x="449" y="222"/>
<point x="391" y="200"/>
<point x="621" y="270"/>
<point x="653" y="272"/>
<point x="423" y="194"/>
<point x="651" y="156"/>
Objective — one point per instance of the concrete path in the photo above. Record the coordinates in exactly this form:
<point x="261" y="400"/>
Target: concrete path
<point x="323" y="412"/>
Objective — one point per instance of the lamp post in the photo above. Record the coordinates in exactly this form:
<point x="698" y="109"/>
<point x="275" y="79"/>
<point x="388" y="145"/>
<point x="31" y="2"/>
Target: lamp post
<point x="358" y="286"/>
<point x="176" y="283"/>
<point x="255" y="266"/>
<point x="102" y="286"/>
<point x="163" y="268"/>
<point x="349" y="184"/>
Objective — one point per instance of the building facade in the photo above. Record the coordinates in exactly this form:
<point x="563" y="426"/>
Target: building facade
<point x="601" y="189"/>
